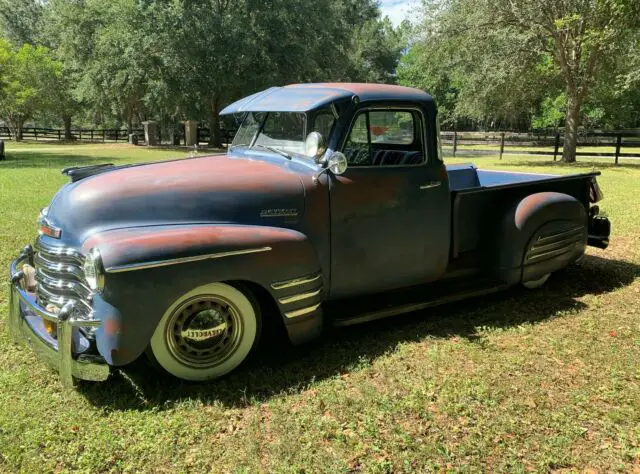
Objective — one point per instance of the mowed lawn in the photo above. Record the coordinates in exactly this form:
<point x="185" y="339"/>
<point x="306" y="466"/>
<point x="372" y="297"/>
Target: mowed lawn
<point x="545" y="380"/>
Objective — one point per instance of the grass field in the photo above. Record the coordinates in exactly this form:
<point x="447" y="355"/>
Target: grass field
<point x="545" y="380"/>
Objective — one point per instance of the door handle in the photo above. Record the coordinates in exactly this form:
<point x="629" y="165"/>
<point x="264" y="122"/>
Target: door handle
<point x="431" y="184"/>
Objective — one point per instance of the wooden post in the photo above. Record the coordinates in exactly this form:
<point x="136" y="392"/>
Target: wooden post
<point x="92" y="134"/>
<point x="103" y="136"/>
<point x="455" y="143"/>
<point x="618" y="146"/>
<point x="80" y="135"/>
<point x="59" y="135"/>
<point x="117" y="130"/>
<point x="35" y="134"/>
<point x="501" y="144"/>
<point x="556" y="147"/>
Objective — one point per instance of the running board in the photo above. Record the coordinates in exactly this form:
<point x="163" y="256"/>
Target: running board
<point x="416" y="306"/>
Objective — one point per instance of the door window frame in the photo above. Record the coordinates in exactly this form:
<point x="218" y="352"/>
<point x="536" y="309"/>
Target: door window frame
<point x="395" y="108"/>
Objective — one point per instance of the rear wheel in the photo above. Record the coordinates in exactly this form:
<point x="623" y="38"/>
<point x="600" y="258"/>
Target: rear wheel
<point x="533" y="284"/>
<point x="206" y="333"/>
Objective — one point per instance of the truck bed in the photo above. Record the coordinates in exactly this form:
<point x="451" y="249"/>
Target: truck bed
<point x="481" y="197"/>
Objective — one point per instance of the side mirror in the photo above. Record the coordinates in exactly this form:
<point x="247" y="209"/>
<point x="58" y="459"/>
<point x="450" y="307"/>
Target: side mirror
<point x="314" y="145"/>
<point x="337" y="163"/>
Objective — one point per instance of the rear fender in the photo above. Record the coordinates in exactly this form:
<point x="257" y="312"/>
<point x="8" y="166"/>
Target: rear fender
<point x="146" y="269"/>
<point x="541" y="234"/>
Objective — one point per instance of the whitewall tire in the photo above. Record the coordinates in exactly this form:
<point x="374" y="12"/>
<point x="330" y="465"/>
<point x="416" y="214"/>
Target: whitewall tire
<point x="206" y="333"/>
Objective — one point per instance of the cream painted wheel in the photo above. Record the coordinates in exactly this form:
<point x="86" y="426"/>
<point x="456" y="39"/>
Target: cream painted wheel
<point x="533" y="284"/>
<point x="206" y="333"/>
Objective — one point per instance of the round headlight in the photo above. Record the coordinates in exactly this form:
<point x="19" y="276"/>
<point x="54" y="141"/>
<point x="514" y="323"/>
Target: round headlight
<point x="93" y="270"/>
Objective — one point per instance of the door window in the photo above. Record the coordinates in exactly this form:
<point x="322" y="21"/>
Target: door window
<point x="385" y="138"/>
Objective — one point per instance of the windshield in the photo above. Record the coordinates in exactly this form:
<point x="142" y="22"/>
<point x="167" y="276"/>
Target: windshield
<point x="283" y="131"/>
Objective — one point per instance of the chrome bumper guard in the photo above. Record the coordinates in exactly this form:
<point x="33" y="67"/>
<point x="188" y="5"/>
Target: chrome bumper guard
<point x="61" y="355"/>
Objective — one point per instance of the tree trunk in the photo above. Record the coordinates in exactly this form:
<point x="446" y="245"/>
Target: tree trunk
<point x="215" y="138"/>
<point x="67" y="127"/>
<point x="18" y="132"/>
<point x="571" y="127"/>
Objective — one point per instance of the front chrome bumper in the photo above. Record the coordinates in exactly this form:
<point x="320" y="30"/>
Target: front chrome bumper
<point x="26" y="324"/>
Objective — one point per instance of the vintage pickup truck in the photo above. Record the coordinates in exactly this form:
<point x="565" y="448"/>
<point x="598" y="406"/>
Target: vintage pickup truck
<point x="331" y="206"/>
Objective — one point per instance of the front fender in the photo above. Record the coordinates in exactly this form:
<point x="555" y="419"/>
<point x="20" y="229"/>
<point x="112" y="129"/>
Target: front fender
<point x="147" y="268"/>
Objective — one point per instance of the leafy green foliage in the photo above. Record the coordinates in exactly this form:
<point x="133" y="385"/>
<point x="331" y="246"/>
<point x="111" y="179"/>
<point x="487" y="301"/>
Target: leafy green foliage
<point x="21" y="20"/>
<point x="126" y="61"/>
<point x="507" y="62"/>
<point x="31" y="77"/>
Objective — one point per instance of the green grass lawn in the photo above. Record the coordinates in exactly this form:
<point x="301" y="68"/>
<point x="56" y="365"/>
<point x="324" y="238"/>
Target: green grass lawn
<point x="545" y="380"/>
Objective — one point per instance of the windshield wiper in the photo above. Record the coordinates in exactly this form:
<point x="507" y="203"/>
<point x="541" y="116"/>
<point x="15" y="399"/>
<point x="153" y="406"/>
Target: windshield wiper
<point x="273" y="149"/>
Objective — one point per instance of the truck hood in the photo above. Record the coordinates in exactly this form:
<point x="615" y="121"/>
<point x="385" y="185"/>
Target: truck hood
<point x="212" y="189"/>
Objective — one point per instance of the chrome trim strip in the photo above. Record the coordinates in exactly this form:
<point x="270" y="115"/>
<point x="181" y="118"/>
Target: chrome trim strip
<point x="537" y="249"/>
<point x="68" y="286"/>
<point x="50" y="269"/>
<point x="559" y="235"/>
<point x="302" y="311"/>
<point x="280" y="285"/>
<point x="432" y="184"/>
<point x="59" y="252"/>
<point x="298" y="297"/>
<point x="177" y="261"/>
<point x="552" y="253"/>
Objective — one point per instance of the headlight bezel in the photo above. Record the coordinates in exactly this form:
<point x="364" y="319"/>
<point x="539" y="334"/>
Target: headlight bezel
<point x="93" y="270"/>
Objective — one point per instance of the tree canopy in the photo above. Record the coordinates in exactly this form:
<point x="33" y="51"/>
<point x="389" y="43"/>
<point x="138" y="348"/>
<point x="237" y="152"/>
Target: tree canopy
<point x="125" y="61"/>
<point x="572" y="64"/>
<point x="540" y="62"/>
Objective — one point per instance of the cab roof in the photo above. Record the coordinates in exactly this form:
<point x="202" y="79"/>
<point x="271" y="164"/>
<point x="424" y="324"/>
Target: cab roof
<point x="305" y="97"/>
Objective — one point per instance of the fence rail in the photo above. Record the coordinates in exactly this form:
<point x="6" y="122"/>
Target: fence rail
<point x="622" y="144"/>
<point x="113" y="135"/>
<point x="615" y="144"/>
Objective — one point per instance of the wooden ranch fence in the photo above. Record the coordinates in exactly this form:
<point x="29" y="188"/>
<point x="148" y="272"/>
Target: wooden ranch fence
<point x="618" y="144"/>
<point x="112" y="135"/>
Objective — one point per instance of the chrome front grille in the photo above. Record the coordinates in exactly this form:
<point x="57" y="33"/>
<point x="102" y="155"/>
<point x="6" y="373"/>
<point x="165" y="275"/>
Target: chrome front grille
<point x="60" y="278"/>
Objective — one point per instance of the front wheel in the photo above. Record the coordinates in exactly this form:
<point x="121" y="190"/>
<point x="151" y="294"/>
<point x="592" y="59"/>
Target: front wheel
<point x="206" y="333"/>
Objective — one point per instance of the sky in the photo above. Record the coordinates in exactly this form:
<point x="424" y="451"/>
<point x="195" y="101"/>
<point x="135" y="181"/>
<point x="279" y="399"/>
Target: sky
<point x="396" y="10"/>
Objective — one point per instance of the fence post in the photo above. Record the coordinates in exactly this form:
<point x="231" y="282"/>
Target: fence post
<point x="455" y="143"/>
<point x="92" y="134"/>
<point x="117" y="131"/>
<point x="80" y="135"/>
<point x="35" y="133"/>
<point x="556" y="147"/>
<point x="501" y="144"/>
<point x="59" y="136"/>
<point x="103" y="135"/>
<point x="618" y="146"/>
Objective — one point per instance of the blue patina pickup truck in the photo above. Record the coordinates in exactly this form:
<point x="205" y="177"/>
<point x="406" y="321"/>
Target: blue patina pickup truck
<point x="332" y="207"/>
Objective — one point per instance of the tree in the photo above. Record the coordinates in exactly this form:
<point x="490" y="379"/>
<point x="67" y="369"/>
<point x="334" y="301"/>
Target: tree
<point x="20" y="20"/>
<point x="509" y="55"/>
<point x="581" y="35"/>
<point x="30" y="78"/>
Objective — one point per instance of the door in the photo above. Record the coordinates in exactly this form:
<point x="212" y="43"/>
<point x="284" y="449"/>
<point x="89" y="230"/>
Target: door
<point x="390" y="221"/>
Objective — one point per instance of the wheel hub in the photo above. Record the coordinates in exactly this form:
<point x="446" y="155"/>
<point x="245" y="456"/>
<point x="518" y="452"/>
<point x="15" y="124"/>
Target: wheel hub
<point x="204" y="331"/>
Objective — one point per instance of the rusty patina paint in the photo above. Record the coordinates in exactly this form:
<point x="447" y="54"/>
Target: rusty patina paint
<point x="372" y="91"/>
<point x="532" y="204"/>
<point x="189" y="175"/>
<point x="130" y="245"/>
